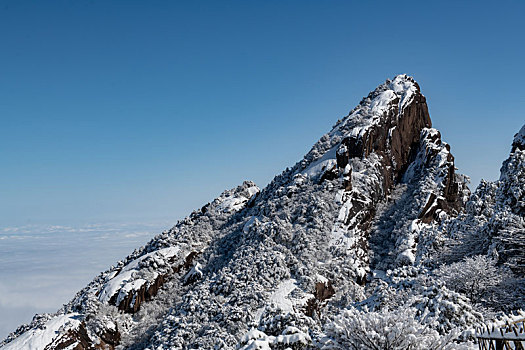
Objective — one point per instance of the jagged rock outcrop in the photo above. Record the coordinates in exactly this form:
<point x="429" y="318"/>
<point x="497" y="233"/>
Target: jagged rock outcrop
<point x="386" y="134"/>
<point x="78" y="339"/>
<point x="494" y="219"/>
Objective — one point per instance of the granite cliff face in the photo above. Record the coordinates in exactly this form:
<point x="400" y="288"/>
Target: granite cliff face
<point x="361" y="223"/>
<point x="384" y="142"/>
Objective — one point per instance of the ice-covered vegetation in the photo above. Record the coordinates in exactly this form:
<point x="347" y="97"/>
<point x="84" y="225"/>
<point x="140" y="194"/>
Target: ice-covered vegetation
<point x="372" y="241"/>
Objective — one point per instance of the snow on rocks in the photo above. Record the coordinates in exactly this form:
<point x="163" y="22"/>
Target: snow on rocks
<point x="252" y="222"/>
<point x="39" y="338"/>
<point x="320" y="166"/>
<point x="385" y="105"/>
<point x="282" y="301"/>
<point x="235" y="200"/>
<point x="194" y="274"/>
<point x="493" y="222"/>
<point x="379" y="192"/>
<point x="123" y="281"/>
<point x="369" y="150"/>
<point x="291" y="337"/>
<point x="280" y="297"/>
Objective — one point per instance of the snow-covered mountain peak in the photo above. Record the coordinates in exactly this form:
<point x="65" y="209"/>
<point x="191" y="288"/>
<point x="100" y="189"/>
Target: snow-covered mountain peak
<point x="389" y="118"/>
<point x="396" y="93"/>
<point x="404" y="87"/>
<point x="356" y="229"/>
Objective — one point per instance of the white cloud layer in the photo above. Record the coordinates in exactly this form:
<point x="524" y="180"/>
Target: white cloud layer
<point x="42" y="267"/>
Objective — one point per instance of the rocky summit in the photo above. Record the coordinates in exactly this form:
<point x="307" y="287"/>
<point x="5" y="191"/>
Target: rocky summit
<point x="371" y="241"/>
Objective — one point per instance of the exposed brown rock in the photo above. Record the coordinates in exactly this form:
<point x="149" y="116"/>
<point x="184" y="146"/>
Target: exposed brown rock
<point x="323" y="291"/>
<point x="80" y="340"/>
<point x="427" y="214"/>
<point x="110" y="337"/>
<point x="311" y="307"/>
<point x="395" y="138"/>
<point x="78" y="336"/>
<point x="132" y="302"/>
<point x="342" y="155"/>
<point x="405" y="136"/>
<point x="187" y="262"/>
<point x="330" y="174"/>
<point x="449" y="200"/>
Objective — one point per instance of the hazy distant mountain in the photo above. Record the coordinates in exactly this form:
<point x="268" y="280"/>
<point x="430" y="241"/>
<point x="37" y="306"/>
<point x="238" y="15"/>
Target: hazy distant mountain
<point x="371" y="241"/>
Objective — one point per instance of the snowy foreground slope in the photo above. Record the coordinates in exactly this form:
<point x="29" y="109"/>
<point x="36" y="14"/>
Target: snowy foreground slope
<point x="372" y="241"/>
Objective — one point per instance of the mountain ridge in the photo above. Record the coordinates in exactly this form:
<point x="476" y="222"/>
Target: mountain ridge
<point x="358" y="224"/>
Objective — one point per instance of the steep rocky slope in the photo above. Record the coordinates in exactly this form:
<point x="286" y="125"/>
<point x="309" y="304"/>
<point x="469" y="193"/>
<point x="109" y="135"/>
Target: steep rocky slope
<point x="361" y="224"/>
<point x="493" y="222"/>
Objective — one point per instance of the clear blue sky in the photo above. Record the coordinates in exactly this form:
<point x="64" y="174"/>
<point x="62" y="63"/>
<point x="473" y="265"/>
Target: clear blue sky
<point x="145" y="110"/>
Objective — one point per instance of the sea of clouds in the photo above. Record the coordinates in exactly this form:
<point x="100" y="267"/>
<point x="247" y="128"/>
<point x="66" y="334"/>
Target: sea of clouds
<point x="43" y="266"/>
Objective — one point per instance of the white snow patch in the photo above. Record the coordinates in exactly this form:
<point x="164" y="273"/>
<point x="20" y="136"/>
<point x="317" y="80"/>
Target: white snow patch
<point x="321" y="278"/>
<point x="381" y="103"/>
<point x="253" y="190"/>
<point x="232" y="201"/>
<point x="256" y="339"/>
<point x="253" y="334"/>
<point x="326" y="162"/>
<point x="248" y="225"/>
<point x="280" y="297"/>
<point x="403" y="88"/>
<point x="406" y="257"/>
<point x="194" y="273"/>
<point x="38" y="339"/>
<point x="339" y="196"/>
<point x="122" y="282"/>
<point x="232" y="204"/>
